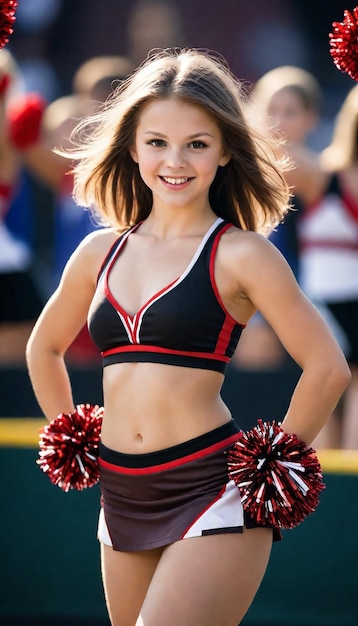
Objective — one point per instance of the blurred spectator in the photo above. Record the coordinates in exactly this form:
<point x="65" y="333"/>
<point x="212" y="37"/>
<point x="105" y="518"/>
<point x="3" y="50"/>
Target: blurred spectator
<point x="289" y="98"/>
<point x="20" y="297"/>
<point x="93" y="82"/>
<point x="328" y="232"/>
<point x="97" y="77"/>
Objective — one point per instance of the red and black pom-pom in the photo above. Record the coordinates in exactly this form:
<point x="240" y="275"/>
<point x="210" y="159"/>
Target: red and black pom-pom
<point x="278" y="476"/>
<point x="344" y="43"/>
<point x="7" y="19"/>
<point x="69" y="448"/>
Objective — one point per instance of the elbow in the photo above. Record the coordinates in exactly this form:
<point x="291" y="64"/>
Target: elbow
<point x="340" y="376"/>
<point x="36" y="350"/>
<point x="30" y="351"/>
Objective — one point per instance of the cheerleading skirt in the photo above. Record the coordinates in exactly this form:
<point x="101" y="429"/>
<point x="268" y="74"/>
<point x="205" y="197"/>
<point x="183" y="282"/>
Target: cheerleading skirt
<point x="153" y="499"/>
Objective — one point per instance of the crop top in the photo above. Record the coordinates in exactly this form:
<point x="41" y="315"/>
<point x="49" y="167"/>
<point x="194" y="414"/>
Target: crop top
<point x="184" y="324"/>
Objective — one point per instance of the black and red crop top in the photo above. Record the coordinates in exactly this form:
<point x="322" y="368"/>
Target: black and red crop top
<point x="184" y="324"/>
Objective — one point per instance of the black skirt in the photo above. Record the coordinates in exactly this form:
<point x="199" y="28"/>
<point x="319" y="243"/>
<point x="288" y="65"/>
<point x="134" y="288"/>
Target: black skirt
<point x="151" y="500"/>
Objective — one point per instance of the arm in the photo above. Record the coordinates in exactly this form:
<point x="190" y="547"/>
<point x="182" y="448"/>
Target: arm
<point x="59" y="323"/>
<point x="307" y="178"/>
<point x="268" y="283"/>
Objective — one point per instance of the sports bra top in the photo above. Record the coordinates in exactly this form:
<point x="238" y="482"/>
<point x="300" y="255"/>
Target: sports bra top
<point x="184" y="324"/>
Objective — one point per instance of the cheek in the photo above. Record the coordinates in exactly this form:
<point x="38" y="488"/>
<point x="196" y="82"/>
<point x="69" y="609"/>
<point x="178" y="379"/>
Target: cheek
<point x="148" y="169"/>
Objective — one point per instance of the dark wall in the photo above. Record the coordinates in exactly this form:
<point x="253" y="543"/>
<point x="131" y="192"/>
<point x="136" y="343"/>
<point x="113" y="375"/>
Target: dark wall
<point x="49" y="556"/>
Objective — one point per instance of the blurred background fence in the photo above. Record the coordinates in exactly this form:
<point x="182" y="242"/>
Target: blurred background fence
<point x="50" y="571"/>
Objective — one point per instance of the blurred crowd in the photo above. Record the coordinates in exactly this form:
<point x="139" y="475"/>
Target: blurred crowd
<point x="47" y="84"/>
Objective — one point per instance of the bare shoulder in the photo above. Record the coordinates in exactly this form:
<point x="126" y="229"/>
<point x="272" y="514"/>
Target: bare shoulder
<point x="98" y="243"/>
<point x="249" y="257"/>
<point x="91" y="252"/>
<point x="243" y="245"/>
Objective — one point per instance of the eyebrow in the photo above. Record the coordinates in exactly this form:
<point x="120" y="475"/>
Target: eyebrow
<point x="201" y="134"/>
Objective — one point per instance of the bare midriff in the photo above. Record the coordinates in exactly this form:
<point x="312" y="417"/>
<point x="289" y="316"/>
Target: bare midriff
<point x="150" y="406"/>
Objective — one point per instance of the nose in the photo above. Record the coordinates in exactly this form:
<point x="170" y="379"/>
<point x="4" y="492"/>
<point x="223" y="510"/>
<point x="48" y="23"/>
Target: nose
<point x="176" y="158"/>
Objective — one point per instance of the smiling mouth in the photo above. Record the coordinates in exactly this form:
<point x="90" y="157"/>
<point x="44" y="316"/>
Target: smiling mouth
<point x="175" y="181"/>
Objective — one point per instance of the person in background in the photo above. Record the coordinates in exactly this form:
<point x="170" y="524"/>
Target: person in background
<point x="21" y="298"/>
<point x="185" y="183"/>
<point x="328" y="236"/>
<point x="290" y="98"/>
<point x="93" y="82"/>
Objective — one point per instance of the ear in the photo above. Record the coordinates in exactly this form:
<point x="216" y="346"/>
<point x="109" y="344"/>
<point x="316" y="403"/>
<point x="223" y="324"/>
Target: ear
<point x="133" y="154"/>
<point x="225" y="158"/>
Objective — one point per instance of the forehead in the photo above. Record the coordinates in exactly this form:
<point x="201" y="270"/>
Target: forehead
<point x="287" y="97"/>
<point x="176" y="115"/>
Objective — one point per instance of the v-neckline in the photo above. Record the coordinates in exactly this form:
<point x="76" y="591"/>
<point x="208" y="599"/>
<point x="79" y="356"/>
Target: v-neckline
<point x="163" y="290"/>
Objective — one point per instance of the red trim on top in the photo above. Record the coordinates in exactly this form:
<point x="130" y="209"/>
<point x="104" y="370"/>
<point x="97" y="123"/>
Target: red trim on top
<point x="311" y="208"/>
<point x="329" y="244"/>
<point x="137" y="316"/>
<point x="351" y="205"/>
<point x="348" y="202"/>
<point x="112" y="248"/>
<point x="212" y="273"/>
<point x="159" y="349"/>
<point x="107" y="291"/>
<point x="170" y="464"/>
<point x="224" y="336"/>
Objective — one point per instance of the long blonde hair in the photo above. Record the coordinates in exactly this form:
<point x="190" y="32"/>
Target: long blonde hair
<point x="250" y="191"/>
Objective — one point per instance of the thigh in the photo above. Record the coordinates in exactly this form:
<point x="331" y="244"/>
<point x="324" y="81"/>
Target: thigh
<point x="126" y="577"/>
<point x="207" y="581"/>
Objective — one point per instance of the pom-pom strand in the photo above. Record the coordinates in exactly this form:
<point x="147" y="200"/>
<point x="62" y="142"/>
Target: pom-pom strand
<point x="69" y="448"/>
<point x="7" y="19"/>
<point x="278" y="476"/>
<point x="344" y="43"/>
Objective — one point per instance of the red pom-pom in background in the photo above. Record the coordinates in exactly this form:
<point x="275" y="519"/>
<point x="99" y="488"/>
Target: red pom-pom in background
<point x="7" y="19"/>
<point x="344" y="43"/>
<point x="278" y="476"/>
<point x="25" y="113"/>
<point x="69" y="448"/>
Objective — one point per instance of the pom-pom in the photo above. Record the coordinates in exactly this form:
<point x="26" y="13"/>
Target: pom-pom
<point x="25" y="113"/>
<point x="278" y="476"/>
<point x="344" y="43"/>
<point x="69" y="448"/>
<point x="7" y="19"/>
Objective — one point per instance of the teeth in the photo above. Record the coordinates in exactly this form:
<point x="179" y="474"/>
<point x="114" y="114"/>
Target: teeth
<point x="175" y="181"/>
